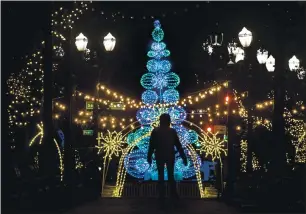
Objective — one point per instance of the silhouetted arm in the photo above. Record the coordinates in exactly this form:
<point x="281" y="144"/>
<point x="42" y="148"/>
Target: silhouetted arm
<point x="151" y="146"/>
<point x="178" y="146"/>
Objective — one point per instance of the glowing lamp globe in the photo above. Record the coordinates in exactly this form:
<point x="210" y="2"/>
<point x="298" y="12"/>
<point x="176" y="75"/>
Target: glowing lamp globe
<point x="301" y="73"/>
<point x="81" y="42"/>
<point x="294" y="63"/>
<point x="232" y="48"/>
<point x="270" y="64"/>
<point x="245" y="37"/>
<point x="262" y="56"/>
<point x="109" y="42"/>
<point x="239" y="54"/>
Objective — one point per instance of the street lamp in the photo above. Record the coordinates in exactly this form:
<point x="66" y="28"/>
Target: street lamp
<point x="81" y="42"/>
<point x="245" y="37"/>
<point x="211" y="44"/>
<point x="262" y="56"/>
<point x="294" y="63"/>
<point x="232" y="50"/>
<point x="270" y="64"/>
<point x="239" y="54"/>
<point x="109" y="42"/>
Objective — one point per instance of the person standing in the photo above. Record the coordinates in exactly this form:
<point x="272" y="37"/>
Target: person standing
<point x="162" y="142"/>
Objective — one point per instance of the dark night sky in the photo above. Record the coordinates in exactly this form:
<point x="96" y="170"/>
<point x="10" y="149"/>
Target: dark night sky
<point x="22" y="24"/>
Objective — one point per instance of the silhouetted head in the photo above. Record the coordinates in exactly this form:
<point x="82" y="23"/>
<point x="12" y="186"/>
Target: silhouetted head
<point x="164" y="120"/>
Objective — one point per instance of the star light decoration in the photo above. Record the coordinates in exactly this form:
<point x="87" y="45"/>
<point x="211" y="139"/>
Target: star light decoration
<point x="212" y="146"/>
<point x="110" y="143"/>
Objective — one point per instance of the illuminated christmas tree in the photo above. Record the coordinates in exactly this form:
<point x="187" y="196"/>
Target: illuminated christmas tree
<point x="159" y="97"/>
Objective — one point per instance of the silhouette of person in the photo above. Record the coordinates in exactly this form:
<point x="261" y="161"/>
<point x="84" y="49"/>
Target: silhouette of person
<point x="162" y="142"/>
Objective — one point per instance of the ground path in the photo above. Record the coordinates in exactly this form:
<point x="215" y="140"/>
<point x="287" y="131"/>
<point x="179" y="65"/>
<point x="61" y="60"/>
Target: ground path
<point x="151" y="206"/>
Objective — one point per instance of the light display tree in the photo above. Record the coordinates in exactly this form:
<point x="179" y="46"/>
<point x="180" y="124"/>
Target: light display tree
<point x="159" y="97"/>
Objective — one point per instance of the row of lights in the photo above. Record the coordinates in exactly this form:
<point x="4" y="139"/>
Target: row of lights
<point x="245" y="37"/>
<point x="203" y="94"/>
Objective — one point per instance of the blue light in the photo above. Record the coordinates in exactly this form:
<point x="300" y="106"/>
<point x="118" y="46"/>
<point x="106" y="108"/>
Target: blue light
<point x="136" y="165"/>
<point x="130" y="138"/>
<point x="192" y="136"/>
<point x="158" y="46"/>
<point x="173" y="80"/>
<point x="171" y="96"/>
<point x="147" y="116"/>
<point x="131" y="160"/>
<point x="142" y="165"/>
<point x="157" y="23"/>
<point x="149" y="97"/>
<point x="158" y="33"/>
<point x="155" y="66"/>
<point x="158" y="54"/>
<point x="159" y="81"/>
<point x="177" y="114"/>
<point x="147" y="80"/>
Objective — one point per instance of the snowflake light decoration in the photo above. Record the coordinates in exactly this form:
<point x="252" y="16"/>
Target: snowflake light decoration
<point x="111" y="143"/>
<point x="212" y="146"/>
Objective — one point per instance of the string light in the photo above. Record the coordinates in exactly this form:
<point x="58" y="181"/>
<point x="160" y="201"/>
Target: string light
<point x="40" y="135"/>
<point x="243" y="157"/>
<point x="111" y="144"/>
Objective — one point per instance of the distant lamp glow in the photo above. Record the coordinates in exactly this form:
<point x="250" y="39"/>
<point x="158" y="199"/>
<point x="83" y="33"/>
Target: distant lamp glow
<point x="301" y="73"/>
<point x="294" y="63"/>
<point x="218" y="41"/>
<point x="232" y="48"/>
<point x="270" y="64"/>
<point x="209" y="129"/>
<point x="245" y="37"/>
<point x="81" y="42"/>
<point x="262" y="56"/>
<point x="227" y="99"/>
<point x="109" y="42"/>
<point x="239" y="54"/>
<point x="210" y="49"/>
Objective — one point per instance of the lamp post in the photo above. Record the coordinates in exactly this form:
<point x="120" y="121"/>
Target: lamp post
<point x="80" y="43"/>
<point x="245" y="37"/>
<point x="109" y="42"/>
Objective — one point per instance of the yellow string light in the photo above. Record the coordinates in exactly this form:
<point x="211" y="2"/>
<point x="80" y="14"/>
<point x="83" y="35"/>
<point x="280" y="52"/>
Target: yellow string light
<point x="243" y="158"/>
<point x="111" y="144"/>
<point x="61" y="166"/>
<point x="40" y="134"/>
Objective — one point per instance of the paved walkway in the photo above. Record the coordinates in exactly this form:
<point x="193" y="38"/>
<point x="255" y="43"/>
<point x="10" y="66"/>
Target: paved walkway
<point x="148" y="206"/>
